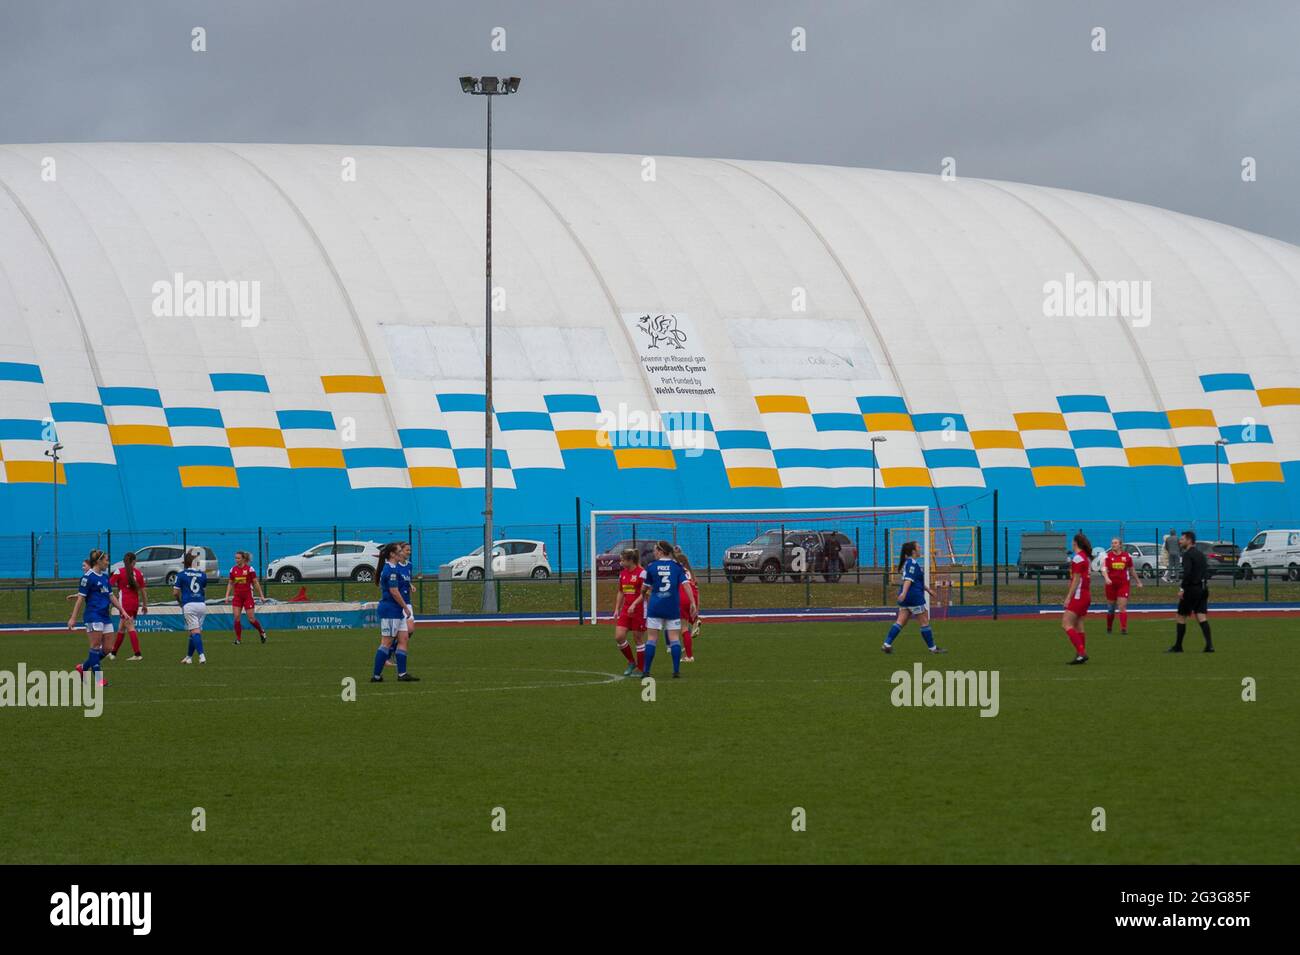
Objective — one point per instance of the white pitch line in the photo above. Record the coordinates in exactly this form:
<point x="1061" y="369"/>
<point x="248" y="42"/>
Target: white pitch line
<point x="609" y="678"/>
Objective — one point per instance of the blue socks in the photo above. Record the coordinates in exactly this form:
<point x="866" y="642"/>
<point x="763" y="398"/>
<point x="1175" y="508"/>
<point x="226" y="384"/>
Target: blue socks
<point x="198" y="642"/>
<point x="401" y="662"/>
<point x="649" y="656"/>
<point x="92" y="660"/>
<point x="928" y="636"/>
<point x="381" y="657"/>
<point x="189" y="647"/>
<point x="675" y="648"/>
<point x="894" y="631"/>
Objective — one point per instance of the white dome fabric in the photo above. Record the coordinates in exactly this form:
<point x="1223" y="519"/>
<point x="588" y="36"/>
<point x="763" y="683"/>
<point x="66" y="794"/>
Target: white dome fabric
<point x="704" y="333"/>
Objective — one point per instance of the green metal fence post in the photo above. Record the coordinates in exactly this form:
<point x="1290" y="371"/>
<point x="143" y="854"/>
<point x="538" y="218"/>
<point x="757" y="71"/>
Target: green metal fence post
<point x="1038" y="591"/>
<point x="961" y="584"/>
<point x="857" y="549"/>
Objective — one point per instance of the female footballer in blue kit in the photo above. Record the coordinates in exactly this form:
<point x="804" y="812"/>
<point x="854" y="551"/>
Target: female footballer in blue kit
<point x="664" y="578"/>
<point x="395" y="613"/>
<point x="96" y="594"/>
<point x="911" y="599"/>
<point x="191" y="592"/>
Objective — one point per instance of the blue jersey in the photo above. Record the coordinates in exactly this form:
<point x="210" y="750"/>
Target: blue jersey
<point x="913" y="571"/>
<point x="390" y="576"/>
<point x="193" y="586"/>
<point x="665" y="579"/>
<point x="96" y="589"/>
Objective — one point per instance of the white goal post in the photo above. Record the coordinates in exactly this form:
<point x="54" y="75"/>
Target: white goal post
<point x="606" y="527"/>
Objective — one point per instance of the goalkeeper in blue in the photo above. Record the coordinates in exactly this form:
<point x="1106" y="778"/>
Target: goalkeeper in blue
<point x="664" y="582"/>
<point x="911" y="599"/>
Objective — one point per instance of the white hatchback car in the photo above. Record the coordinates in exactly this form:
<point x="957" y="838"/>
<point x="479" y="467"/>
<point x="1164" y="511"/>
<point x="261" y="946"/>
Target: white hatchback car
<point x="510" y="558"/>
<point x="355" y="559"/>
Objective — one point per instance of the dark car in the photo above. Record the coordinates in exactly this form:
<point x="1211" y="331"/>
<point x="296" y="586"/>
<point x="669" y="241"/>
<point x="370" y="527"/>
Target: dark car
<point x="610" y="561"/>
<point x="768" y="557"/>
<point x="1220" y="557"/>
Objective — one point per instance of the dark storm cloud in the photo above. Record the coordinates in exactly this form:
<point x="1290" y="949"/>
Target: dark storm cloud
<point x="1011" y="90"/>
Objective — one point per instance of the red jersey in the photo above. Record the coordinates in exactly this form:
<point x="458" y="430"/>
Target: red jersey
<point x="1080" y="577"/>
<point x="129" y="597"/>
<point x="630" y="583"/>
<point x="686" y="597"/>
<point x="1119" y="567"/>
<point x="242" y="577"/>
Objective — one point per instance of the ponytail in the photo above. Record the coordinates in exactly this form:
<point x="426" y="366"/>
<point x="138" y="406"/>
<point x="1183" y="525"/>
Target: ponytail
<point x="128" y="568"/>
<point x="908" y="549"/>
<point x="385" y="552"/>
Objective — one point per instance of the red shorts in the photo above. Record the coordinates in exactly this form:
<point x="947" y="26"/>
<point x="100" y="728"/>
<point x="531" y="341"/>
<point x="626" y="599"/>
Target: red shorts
<point x="237" y="602"/>
<point x="131" y="604"/>
<point x="1078" y="606"/>
<point x="631" y="621"/>
<point x="1116" y="591"/>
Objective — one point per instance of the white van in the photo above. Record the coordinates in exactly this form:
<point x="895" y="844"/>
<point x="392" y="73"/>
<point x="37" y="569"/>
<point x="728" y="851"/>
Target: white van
<point x="1272" y="551"/>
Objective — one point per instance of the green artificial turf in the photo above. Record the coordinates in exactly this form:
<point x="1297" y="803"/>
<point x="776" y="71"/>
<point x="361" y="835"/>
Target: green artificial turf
<point x="770" y="717"/>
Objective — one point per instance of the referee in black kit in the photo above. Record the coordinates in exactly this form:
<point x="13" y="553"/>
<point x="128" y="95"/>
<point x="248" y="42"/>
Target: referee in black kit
<point x="1194" y="592"/>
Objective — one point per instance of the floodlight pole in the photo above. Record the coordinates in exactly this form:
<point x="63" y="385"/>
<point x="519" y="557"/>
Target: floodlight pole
<point x="488" y="86"/>
<point x="1218" y="517"/>
<point x="53" y="454"/>
<point x="489" y="590"/>
<point x="875" y="467"/>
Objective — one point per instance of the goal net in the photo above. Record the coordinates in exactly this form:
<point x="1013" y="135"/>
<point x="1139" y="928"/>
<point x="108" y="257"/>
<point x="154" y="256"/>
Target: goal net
<point x="766" y="560"/>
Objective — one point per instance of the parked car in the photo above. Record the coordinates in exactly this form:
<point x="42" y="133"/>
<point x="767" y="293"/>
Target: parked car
<point x="160" y="563"/>
<point x="358" y="560"/>
<point x="1220" y="557"/>
<point x="609" y="561"/>
<point x="510" y="558"/>
<point x="1045" y="553"/>
<point x="1143" y="554"/>
<point x="1272" y="550"/>
<point x="768" y="557"/>
<point x="1147" y="556"/>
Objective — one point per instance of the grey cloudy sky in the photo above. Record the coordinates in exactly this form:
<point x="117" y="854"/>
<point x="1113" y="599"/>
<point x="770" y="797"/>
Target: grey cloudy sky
<point x="1012" y="90"/>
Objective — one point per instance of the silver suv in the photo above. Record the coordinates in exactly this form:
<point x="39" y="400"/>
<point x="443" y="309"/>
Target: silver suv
<point x="358" y="560"/>
<point x="160" y="563"/>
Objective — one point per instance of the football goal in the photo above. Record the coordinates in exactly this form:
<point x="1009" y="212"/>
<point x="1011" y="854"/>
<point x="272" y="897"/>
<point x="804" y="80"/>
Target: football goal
<point x="776" y="560"/>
